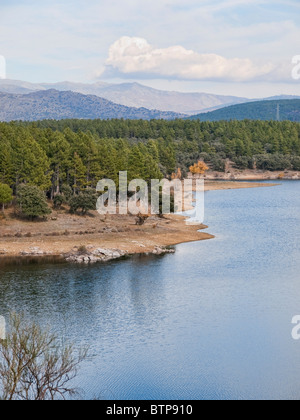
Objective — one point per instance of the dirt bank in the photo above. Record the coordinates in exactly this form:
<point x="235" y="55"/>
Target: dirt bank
<point x="232" y="174"/>
<point x="64" y="234"/>
<point x="234" y="185"/>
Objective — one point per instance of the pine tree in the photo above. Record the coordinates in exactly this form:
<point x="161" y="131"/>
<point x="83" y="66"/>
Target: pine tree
<point x="5" y="195"/>
<point x="136" y="168"/>
<point x="31" y="164"/>
<point x="59" y="154"/>
<point x="78" y="173"/>
<point x="6" y="163"/>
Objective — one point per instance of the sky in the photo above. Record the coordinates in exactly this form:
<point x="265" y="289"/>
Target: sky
<point x="232" y="47"/>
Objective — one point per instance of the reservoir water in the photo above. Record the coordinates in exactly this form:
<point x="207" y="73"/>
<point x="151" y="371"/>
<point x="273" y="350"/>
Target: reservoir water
<point x="212" y="321"/>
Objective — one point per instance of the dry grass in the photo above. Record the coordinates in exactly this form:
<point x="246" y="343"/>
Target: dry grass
<point x="62" y="232"/>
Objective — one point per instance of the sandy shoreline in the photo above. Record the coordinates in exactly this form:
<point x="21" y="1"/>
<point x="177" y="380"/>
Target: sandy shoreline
<point x="117" y="233"/>
<point x="64" y="234"/>
<point x="235" y="185"/>
<point x="232" y="174"/>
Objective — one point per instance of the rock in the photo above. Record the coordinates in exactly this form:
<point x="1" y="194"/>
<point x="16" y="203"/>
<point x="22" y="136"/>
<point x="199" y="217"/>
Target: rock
<point x="71" y="258"/>
<point x="161" y="251"/>
<point x="33" y="251"/>
<point x="102" y="252"/>
<point x="139" y="244"/>
<point x="3" y="251"/>
<point x="93" y="259"/>
<point x="98" y="255"/>
<point x="107" y="229"/>
<point x="36" y="251"/>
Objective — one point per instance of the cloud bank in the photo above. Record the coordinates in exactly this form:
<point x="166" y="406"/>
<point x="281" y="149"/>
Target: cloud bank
<point x="132" y="56"/>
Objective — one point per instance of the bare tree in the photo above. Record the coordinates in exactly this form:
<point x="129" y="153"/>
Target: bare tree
<point x="34" y="365"/>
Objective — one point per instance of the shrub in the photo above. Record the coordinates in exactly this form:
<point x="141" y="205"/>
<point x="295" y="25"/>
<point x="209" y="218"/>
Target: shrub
<point x="67" y="192"/>
<point x="198" y="168"/>
<point x="273" y="162"/>
<point x="296" y="163"/>
<point x="34" y="365"/>
<point x="243" y="162"/>
<point x="218" y="164"/>
<point x="32" y="202"/>
<point x="82" y="249"/>
<point x="84" y="201"/>
<point x="141" y="219"/>
<point x="58" y="201"/>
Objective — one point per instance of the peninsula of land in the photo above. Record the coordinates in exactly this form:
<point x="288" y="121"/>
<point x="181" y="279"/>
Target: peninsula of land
<point x="94" y="237"/>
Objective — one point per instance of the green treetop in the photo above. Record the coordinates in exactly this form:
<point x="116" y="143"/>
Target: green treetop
<point x="5" y="195"/>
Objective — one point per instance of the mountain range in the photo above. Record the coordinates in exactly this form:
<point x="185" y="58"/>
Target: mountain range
<point x="131" y="95"/>
<point x="22" y="100"/>
<point x="58" y="105"/>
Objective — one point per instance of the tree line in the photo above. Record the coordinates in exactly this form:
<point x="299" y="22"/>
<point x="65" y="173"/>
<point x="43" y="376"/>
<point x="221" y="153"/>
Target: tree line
<point x="187" y="141"/>
<point x="74" y="155"/>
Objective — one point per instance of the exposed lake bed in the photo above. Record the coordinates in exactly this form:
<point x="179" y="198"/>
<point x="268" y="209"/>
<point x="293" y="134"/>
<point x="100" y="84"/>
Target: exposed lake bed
<point x="212" y="321"/>
<point x="64" y="234"/>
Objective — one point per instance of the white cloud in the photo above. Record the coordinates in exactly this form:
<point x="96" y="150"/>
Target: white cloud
<point x="55" y="40"/>
<point x="135" y="56"/>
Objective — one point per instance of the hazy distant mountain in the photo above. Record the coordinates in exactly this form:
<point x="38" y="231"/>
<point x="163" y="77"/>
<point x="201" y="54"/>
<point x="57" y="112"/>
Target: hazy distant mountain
<point x="15" y="90"/>
<point x="10" y="86"/>
<point x="52" y="104"/>
<point x="132" y="95"/>
<point x="18" y="86"/>
<point x="137" y="95"/>
<point x="280" y="98"/>
<point x="262" y="110"/>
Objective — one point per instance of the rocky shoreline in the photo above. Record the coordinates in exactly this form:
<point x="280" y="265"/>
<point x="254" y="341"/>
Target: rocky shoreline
<point x="94" y="238"/>
<point x="106" y="255"/>
<point x="91" y="255"/>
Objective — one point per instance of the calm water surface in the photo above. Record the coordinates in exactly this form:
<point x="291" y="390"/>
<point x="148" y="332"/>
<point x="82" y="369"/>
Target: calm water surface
<point x="212" y="321"/>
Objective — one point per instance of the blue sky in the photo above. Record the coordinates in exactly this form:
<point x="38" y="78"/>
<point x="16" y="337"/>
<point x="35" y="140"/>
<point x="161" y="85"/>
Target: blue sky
<point x="238" y="47"/>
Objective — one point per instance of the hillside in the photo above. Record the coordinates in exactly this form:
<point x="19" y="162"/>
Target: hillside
<point x="131" y="95"/>
<point x="262" y="110"/>
<point x="135" y="94"/>
<point x="52" y="104"/>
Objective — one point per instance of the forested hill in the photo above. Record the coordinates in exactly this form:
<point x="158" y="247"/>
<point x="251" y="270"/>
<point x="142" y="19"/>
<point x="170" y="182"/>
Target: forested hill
<point x="52" y="104"/>
<point x="78" y="153"/>
<point x="289" y="110"/>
